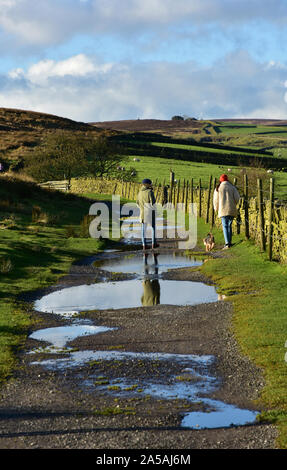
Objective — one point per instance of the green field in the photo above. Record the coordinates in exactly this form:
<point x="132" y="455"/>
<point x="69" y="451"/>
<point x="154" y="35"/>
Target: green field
<point x="250" y="129"/>
<point x="158" y="169"/>
<point x="197" y="148"/>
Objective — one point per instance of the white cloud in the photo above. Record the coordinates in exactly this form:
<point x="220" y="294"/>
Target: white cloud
<point x="47" y="22"/>
<point x="83" y="89"/>
<point x="76" y="66"/>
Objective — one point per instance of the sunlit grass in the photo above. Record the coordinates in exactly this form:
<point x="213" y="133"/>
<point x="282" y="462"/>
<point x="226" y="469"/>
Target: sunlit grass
<point x="259" y="317"/>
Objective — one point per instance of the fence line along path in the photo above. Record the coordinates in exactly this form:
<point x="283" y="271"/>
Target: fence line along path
<point x="260" y="218"/>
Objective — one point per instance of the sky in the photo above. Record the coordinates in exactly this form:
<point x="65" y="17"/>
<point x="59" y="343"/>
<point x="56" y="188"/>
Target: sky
<point x="102" y="60"/>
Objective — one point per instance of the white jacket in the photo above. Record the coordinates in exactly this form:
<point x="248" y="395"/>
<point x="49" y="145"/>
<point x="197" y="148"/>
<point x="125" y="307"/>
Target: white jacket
<point x="226" y="199"/>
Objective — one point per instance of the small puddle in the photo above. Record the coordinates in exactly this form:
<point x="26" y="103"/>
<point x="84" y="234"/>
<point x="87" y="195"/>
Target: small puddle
<point x="142" y="264"/>
<point x="58" y="337"/>
<point x="222" y="416"/>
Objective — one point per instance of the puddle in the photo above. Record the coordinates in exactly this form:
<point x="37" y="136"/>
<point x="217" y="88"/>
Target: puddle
<point x="80" y="358"/>
<point x="223" y="416"/>
<point x="59" y="336"/>
<point x="147" y="263"/>
<point x="193" y="383"/>
<point x="125" y="294"/>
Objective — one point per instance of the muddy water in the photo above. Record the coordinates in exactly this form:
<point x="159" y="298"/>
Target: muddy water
<point x="194" y="381"/>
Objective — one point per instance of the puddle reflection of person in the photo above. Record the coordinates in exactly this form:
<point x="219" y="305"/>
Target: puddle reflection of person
<point x="151" y="294"/>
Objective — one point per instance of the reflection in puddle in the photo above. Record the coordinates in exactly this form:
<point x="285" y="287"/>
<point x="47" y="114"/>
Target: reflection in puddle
<point x="125" y="294"/>
<point x="146" y="263"/>
<point x="146" y="290"/>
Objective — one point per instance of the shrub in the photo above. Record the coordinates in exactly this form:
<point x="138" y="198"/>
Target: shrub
<point x="6" y="265"/>
<point x="36" y="213"/>
<point x="85" y="224"/>
<point x="70" y="232"/>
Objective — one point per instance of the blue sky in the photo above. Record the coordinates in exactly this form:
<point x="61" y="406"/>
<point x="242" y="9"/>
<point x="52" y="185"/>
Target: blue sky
<point x="100" y="60"/>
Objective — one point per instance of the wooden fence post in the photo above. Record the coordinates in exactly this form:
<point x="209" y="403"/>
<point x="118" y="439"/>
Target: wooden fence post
<point x="261" y="214"/>
<point x="157" y="192"/>
<point x="183" y="192"/>
<point x="238" y="217"/>
<point x="270" y="233"/>
<point x="212" y="207"/>
<point x="186" y="198"/>
<point x="191" y="190"/>
<point x="174" y="195"/>
<point x="208" y="200"/>
<point x="199" y="201"/>
<point x="246" y="207"/>
<point x="171" y="184"/>
<point x="178" y="193"/>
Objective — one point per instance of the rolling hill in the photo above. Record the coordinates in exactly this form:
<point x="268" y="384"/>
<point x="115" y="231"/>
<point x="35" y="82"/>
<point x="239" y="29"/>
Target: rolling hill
<point x="21" y="131"/>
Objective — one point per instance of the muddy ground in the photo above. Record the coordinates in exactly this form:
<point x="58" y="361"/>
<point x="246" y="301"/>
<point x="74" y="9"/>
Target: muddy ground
<point x="79" y="408"/>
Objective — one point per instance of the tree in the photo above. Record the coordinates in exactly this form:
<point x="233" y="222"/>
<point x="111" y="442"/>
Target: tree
<point x="177" y="118"/>
<point x="61" y="156"/>
<point x="65" y="155"/>
<point x="104" y="156"/>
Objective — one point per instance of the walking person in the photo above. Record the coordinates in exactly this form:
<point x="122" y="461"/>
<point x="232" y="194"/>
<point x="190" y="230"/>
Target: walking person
<point x="146" y="203"/>
<point x="225" y="200"/>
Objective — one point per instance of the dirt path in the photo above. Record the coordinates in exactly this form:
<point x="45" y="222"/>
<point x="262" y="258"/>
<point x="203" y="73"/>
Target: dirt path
<point x="81" y="407"/>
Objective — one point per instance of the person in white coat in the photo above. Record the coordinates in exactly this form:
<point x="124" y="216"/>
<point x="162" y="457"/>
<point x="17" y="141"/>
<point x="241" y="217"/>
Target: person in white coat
<point x="225" y="200"/>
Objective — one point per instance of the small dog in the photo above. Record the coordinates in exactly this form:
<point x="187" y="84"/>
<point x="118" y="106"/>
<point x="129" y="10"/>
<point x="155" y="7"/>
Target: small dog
<point x="209" y="242"/>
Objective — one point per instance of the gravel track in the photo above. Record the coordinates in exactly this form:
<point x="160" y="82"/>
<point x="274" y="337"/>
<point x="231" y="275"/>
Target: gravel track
<point x="70" y="409"/>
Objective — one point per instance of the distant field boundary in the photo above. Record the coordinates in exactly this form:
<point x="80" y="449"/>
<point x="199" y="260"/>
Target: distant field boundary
<point x="138" y="145"/>
<point x="147" y="137"/>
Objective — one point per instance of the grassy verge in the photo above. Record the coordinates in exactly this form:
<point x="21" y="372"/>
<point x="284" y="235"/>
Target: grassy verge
<point x="34" y="252"/>
<point x="257" y="290"/>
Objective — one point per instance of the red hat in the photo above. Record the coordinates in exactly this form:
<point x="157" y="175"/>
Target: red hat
<point x="223" y="178"/>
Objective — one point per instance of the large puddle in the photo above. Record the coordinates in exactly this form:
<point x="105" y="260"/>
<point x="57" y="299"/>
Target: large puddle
<point x="144" y="291"/>
<point x="193" y="382"/>
<point x="125" y="294"/>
